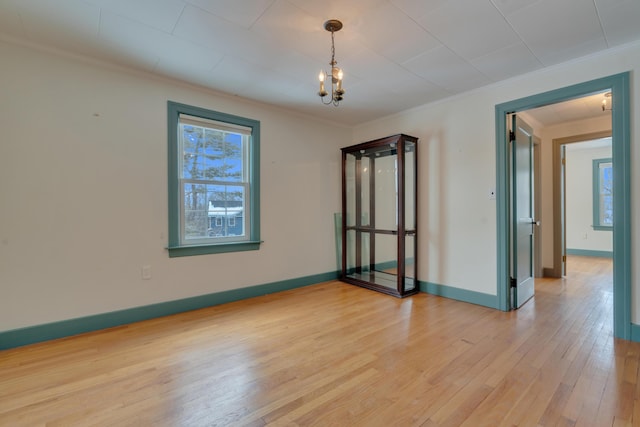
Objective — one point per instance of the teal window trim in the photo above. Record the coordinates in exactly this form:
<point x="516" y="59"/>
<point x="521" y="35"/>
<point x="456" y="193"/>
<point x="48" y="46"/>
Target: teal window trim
<point x="596" y="195"/>
<point x="174" y="247"/>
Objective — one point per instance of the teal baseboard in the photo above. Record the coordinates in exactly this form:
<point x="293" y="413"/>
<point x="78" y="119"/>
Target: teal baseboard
<point x="458" y="294"/>
<point x="65" y="328"/>
<point x="635" y="332"/>
<point x="588" y="252"/>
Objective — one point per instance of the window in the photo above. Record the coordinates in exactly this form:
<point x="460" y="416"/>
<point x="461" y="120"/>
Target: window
<point x="213" y="176"/>
<point x="602" y="194"/>
<point x="232" y="221"/>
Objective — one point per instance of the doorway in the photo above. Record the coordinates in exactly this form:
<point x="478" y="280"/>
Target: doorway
<point x="573" y="161"/>
<point x="620" y="116"/>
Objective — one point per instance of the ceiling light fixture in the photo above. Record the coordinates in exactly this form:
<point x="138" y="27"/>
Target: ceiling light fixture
<point x="332" y="26"/>
<point x="605" y="102"/>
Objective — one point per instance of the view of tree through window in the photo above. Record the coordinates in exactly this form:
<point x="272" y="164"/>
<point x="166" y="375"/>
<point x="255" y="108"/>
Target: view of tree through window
<point x="212" y="177"/>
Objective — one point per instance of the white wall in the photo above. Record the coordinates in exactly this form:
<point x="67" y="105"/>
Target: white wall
<point x="457" y="223"/>
<point x="83" y="191"/>
<point x="579" y="200"/>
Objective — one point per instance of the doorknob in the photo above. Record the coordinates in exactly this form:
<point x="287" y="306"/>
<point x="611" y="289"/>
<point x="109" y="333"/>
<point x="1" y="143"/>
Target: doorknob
<point x="534" y="222"/>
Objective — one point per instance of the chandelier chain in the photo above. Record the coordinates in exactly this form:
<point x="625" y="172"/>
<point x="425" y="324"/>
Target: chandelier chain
<point x="333" y="51"/>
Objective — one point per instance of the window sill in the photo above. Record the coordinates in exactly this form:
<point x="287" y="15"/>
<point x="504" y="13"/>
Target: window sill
<point x="603" y="227"/>
<point x="219" y="248"/>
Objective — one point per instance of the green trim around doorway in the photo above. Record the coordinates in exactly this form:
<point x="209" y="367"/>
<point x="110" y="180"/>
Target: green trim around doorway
<point x="619" y="84"/>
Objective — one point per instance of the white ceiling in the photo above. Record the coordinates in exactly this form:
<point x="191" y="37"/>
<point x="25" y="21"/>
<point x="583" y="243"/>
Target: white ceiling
<point x="396" y="54"/>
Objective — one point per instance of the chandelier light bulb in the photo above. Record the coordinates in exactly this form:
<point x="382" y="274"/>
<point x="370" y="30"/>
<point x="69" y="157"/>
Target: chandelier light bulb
<point x="322" y="76"/>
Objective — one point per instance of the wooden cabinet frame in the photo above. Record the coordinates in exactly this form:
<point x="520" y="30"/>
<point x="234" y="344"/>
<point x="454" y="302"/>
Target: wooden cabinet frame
<point x="368" y="259"/>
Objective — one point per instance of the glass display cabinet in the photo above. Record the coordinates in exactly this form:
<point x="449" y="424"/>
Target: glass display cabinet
<point x="379" y="218"/>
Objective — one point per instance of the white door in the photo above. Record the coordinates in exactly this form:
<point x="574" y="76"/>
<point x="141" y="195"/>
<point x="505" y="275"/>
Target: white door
<point x="522" y="219"/>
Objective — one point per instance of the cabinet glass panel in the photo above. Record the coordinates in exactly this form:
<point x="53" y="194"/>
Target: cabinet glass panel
<point x="410" y="185"/>
<point x="386" y="264"/>
<point x="386" y="192"/>
<point x="365" y="253"/>
<point x="350" y="189"/>
<point x="350" y="254"/>
<point x="365" y="193"/>
<point x="409" y="263"/>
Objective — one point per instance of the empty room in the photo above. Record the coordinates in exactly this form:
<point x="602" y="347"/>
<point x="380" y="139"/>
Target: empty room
<point x="287" y="212"/>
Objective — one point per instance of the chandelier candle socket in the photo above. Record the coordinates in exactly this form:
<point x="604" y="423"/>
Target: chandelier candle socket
<point x="332" y="26"/>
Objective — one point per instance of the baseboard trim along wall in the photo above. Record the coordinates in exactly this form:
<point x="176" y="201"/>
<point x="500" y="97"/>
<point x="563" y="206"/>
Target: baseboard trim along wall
<point x="50" y="331"/>
<point x="458" y="294"/>
<point x="65" y="328"/>
<point x="588" y="252"/>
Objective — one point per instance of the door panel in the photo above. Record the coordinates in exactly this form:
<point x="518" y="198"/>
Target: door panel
<point x="563" y="209"/>
<point x="523" y="223"/>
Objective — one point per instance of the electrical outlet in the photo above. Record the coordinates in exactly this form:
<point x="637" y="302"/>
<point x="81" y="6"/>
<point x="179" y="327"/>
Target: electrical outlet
<point x="146" y="272"/>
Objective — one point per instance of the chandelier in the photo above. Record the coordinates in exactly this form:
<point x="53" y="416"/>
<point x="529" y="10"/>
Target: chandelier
<point x="332" y="26"/>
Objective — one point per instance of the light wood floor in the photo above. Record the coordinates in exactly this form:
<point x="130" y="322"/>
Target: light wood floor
<point x="337" y="355"/>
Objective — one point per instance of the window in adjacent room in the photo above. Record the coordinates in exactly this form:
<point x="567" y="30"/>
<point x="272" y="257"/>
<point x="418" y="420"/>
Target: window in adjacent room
<point x="602" y="194"/>
<point x="213" y="176"/>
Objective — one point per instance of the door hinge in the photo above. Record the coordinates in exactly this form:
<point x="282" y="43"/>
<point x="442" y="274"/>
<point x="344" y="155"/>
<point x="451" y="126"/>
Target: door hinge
<point x="513" y="283"/>
<point x="564" y="258"/>
<point x="512" y="136"/>
<point x="564" y="161"/>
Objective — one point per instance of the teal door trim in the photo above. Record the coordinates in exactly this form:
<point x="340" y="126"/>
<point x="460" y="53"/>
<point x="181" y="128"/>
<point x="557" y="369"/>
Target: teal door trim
<point x="621" y="135"/>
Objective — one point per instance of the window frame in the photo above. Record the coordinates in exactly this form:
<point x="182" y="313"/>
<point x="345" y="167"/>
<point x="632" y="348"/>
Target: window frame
<point x="596" y="194"/>
<point x="175" y="202"/>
